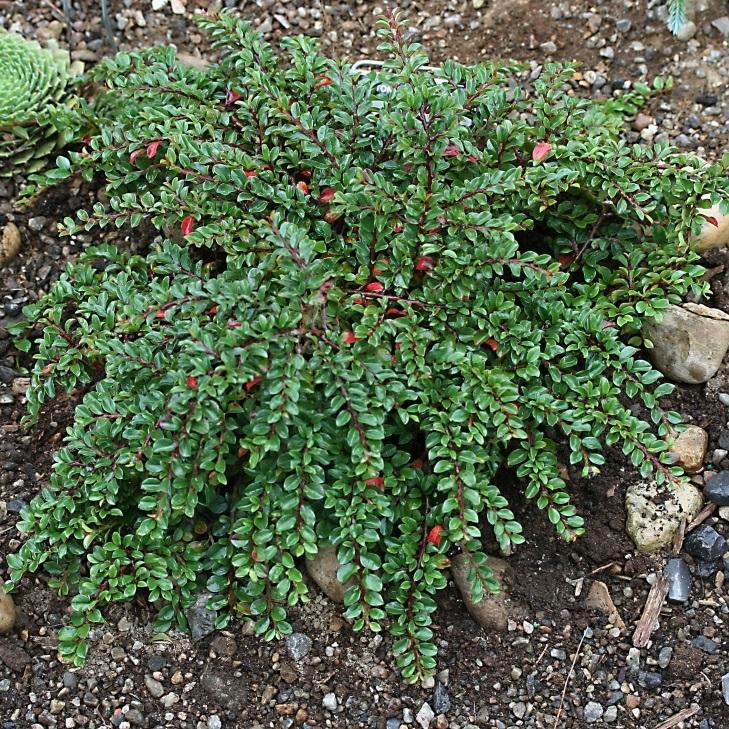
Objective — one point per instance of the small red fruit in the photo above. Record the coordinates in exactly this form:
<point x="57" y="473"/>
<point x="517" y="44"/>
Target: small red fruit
<point x="242" y="452"/>
<point x="377" y="482"/>
<point x="435" y="535"/>
<point x="192" y="382"/>
<point x="325" y="81"/>
<point x="231" y="97"/>
<point x="418" y="464"/>
<point x="358" y="300"/>
<point x="303" y="187"/>
<point x="392" y="311"/>
<point x="451" y="151"/>
<point x="327" y="195"/>
<point x="375" y="287"/>
<point x="250" y="173"/>
<point x="135" y="155"/>
<point x="152" y="148"/>
<point x="540" y="151"/>
<point x="425" y="264"/>
<point x="349" y="338"/>
<point x="188" y="223"/>
<point x="213" y="310"/>
<point x="253" y="382"/>
<point x="492" y="343"/>
<point x="397" y="228"/>
<point x="161" y="314"/>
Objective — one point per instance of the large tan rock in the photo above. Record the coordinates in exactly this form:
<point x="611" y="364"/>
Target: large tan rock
<point x="690" y="342"/>
<point x="493" y="611"/>
<point x="7" y="612"/>
<point x="9" y="243"/>
<point x="713" y="236"/>
<point x="690" y="448"/>
<point x="322" y="568"/>
<point x="654" y="513"/>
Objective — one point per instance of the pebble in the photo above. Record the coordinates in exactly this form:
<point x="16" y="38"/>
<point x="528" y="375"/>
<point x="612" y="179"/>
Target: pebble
<point x="298" y="645"/>
<point x="705" y="543"/>
<point x="716" y="489"/>
<point x="725" y="688"/>
<point x="201" y="619"/>
<point x="441" y="700"/>
<point x="9" y="243"/>
<point x="664" y="656"/>
<point x="687" y="31"/>
<point x="548" y="47"/>
<point x="722" y="25"/>
<point x="705" y="644"/>
<point x="650" y="679"/>
<point x="679" y="580"/>
<point x="425" y="716"/>
<point x="593" y="712"/>
<point x="329" y="702"/>
<point x="610" y="715"/>
<point x="633" y="660"/>
<point x="37" y="223"/>
<point x="7" y="612"/>
<point x="624" y="25"/>
<point x="155" y="688"/>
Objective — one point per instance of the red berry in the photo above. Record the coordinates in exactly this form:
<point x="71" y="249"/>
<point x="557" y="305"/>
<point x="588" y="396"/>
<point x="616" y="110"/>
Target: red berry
<point x="250" y="173"/>
<point x="303" y="187"/>
<point x="425" y="264"/>
<point x="349" y="338"/>
<point x="231" y="97"/>
<point x="375" y="286"/>
<point x="253" y="382"/>
<point x="392" y="311"/>
<point x="540" y="151"/>
<point x="192" y="382"/>
<point x="152" y="148"/>
<point x="435" y="535"/>
<point x="161" y="314"/>
<point x="188" y="223"/>
<point x="377" y="482"/>
<point x="325" y="81"/>
<point x="327" y="195"/>
<point x="492" y="343"/>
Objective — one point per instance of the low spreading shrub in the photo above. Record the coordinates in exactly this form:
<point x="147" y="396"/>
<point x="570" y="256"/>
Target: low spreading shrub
<point x="379" y="297"/>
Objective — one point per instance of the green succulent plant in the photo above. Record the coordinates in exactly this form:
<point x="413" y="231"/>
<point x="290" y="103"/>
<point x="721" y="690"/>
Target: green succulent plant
<point x="33" y="81"/>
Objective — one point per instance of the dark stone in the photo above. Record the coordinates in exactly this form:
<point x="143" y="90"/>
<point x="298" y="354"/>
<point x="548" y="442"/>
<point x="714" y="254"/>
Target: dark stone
<point x="724" y="440"/>
<point x="705" y="644"/>
<point x="156" y="663"/>
<point x="441" y="701"/>
<point x="706" y="569"/>
<point x="707" y="99"/>
<point x="201" y="619"/>
<point x="716" y="489"/>
<point x="649" y="679"/>
<point x="679" y="580"/>
<point x="299" y="645"/>
<point x="12" y="309"/>
<point x="70" y="680"/>
<point x="13" y="656"/>
<point x="705" y="543"/>
<point x="7" y="375"/>
<point x="15" y="506"/>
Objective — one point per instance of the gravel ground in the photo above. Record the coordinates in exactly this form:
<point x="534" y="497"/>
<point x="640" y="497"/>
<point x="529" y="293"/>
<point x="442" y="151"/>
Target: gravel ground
<point x="561" y="664"/>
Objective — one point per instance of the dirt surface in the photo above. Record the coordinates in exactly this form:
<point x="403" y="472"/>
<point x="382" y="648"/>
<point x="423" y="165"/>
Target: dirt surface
<point x="559" y="658"/>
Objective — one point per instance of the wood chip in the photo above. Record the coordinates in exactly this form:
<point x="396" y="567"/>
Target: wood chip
<point x="649" y="619"/>
<point x="598" y="598"/>
<point x="678" y="718"/>
<point x="702" y="516"/>
<point x="678" y="537"/>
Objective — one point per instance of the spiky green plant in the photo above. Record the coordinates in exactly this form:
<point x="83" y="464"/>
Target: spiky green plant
<point x="33" y="80"/>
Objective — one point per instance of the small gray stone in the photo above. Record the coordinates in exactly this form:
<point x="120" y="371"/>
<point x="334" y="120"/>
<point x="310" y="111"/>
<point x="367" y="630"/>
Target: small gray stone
<point x="156" y="663"/>
<point x="705" y="644"/>
<point x="706" y="569"/>
<point x="134" y="716"/>
<point x="7" y="375"/>
<point x="441" y="700"/>
<point x="705" y="543"/>
<point x="548" y="47"/>
<point x="679" y="580"/>
<point x="425" y="716"/>
<point x="664" y="656"/>
<point x="155" y="688"/>
<point x="593" y="712"/>
<point x="610" y="715"/>
<point x="650" y="679"/>
<point x="200" y="619"/>
<point x="558" y="653"/>
<point x="716" y="489"/>
<point x="722" y="25"/>
<point x="37" y="223"/>
<point x="393" y="723"/>
<point x="329" y="702"/>
<point x="624" y="25"/>
<point x="70" y="680"/>
<point x="633" y="660"/>
<point x="214" y="722"/>
<point x="519" y="709"/>
<point x="687" y="31"/>
<point x="5" y="685"/>
<point x="298" y="645"/>
<point x="725" y="688"/>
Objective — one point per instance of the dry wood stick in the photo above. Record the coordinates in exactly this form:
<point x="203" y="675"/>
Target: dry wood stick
<point x="648" y="620"/>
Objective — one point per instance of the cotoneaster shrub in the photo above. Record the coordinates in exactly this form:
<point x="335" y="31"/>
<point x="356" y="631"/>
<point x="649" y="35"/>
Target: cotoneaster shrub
<point x="379" y="294"/>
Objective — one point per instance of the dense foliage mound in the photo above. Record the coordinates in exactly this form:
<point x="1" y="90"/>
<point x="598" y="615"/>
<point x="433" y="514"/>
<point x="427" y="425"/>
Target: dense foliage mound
<point x="383" y="299"/>
<point x="33" y="81"/>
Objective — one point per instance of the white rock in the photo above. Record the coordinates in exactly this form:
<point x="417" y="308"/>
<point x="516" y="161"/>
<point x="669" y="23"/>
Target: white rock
<point x="158" y="4"/>
<point x="713" y="236"/>
<point x="329" y="702"/>
<point x="492" y="611"/>
<point x="425" y="716"/>
<point x="690" y="342"/>
<point x="655" y="513"/>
